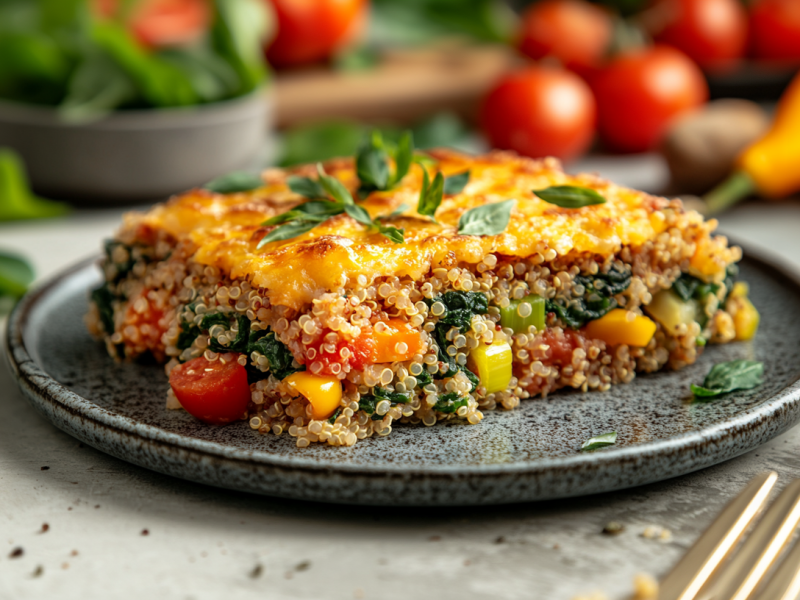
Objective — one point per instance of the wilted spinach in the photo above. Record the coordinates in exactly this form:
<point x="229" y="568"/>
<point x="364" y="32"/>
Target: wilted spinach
<point x="597" y="300"/>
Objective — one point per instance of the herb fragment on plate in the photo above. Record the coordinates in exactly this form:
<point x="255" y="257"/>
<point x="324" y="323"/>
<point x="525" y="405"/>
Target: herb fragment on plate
<point x="599" y="441"/>
<point x="15" y="277"/>
<point x="729" y="376"/>
<point x="570" y="196"/>
<point x="455" y="184"/>
<point x="489" y="219"/>
<point x="237" y="181"/>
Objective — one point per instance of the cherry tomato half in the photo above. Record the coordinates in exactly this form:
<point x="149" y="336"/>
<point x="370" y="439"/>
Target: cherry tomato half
<point x="575" y="32"/>
<point x="641" y="91"/>
<point x="775" y="27"/>
<point x="540" y="111"/>
<point x="215" y="392"/>
<point x="310" y="30"/>
<point x="711" y="32"/>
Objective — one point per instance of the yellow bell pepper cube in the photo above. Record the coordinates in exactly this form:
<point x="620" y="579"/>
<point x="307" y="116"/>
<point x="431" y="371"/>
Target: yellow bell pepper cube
<point x="622" y="327"/>
<point x="745" y="315"/>
<point x="492" y="363"/>
<point x="323" y="393"/>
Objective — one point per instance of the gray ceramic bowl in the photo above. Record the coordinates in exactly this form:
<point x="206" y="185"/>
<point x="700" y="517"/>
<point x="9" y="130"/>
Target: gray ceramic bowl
<point x="135" y="155"/>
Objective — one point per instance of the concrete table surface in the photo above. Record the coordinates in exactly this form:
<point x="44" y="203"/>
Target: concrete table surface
<point x="91" y="526"/>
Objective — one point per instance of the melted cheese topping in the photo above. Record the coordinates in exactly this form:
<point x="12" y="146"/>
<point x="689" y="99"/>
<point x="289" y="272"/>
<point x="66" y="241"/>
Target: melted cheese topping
<point x="225" y="229"/>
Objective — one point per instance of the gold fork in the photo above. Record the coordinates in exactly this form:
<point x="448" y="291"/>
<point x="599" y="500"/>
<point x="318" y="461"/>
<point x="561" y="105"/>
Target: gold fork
<point x="716" y="569"/>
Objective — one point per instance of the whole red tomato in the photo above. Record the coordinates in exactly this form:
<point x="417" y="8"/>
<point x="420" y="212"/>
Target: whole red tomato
<point x="641" y="91"/>
<point x="712" y="32"/>
<point x="540" y="111"/>
<point x="775" y="27"/>
<point x="159" y="23"/>
<point x="575" y="32"/>
<point x="310" y="30"/>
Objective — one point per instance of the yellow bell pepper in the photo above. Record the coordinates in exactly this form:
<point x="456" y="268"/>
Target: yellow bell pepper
<point x="621" y="327"/>
<point x="492" y="363"/>
<point x="323" y="393"/>
<point x="771" y="165"/>
<point x="745" y="315"/>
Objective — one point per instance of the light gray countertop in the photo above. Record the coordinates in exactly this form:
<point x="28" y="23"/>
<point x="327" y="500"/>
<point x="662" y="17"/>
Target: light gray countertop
<point x="205" y="543"/>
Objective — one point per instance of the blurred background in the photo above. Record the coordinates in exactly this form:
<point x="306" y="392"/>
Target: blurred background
<point x="115" y="103"/>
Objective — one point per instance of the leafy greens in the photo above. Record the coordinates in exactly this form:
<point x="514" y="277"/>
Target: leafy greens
<point x="729" y="376"/>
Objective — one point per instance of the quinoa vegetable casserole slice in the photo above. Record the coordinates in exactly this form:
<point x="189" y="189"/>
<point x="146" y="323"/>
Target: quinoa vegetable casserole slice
<point x="333" y="301"/>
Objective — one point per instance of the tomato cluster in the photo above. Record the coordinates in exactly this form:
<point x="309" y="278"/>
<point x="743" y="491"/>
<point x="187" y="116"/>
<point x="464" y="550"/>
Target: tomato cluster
<point x="637" y="89"/>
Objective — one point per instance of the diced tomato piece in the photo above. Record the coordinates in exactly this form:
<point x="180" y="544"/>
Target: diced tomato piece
<point x="561" y="347"/>
<point x="148" y="325"/>
<point x="215" y="392"/>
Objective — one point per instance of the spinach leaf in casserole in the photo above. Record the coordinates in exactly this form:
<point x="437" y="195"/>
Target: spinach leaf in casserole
<point x="597" y="300"/>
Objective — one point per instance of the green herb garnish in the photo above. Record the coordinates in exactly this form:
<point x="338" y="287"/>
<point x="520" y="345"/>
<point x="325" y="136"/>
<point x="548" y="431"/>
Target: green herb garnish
<point x="455" y="184"/>
<point x="430" y="196"/>
<point x="237" y="181"/>
<point x="372" y="163"/>
<point x="489" y="219"/>
<point x="305" y="217"/>
<point x="570" y="196"/>
<point x="729" y="376"/>
<point x="450" y="403"/>
<point x="599" y="441"/>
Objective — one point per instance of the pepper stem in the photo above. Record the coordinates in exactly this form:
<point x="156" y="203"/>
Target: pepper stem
<point x="731" y="191"/>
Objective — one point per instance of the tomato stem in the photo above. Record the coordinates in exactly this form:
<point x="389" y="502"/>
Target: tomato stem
<point x="731" y="191"/>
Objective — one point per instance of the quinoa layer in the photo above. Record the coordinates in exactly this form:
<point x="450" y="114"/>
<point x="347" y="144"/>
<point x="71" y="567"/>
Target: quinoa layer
<point x="157" y="296"/>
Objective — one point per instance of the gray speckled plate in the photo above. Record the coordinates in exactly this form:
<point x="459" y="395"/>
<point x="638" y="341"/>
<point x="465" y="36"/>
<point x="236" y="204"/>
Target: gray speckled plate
<point x="527" y="454"/>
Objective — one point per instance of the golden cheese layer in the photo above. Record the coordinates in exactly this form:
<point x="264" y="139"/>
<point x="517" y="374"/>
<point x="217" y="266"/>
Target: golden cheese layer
<point x="225" y="230"/>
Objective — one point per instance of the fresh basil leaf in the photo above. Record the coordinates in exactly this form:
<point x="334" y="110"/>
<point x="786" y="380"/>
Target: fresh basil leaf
<point x="17" y="201"/>
<point x="403" y="157"/>
<point x="570" y="196"/>
<point x="290" y="230"/>
<point x="424" y="160"/>
<point x="16" y="274"/>
<point x="319" y="207"/>
<point x="729" y="376"/>
<point x="393" y="233"/>
<point x="430" y="196"/>
<point x="305" y="186"/>
<point x="237" y="181"/>
<point x="359" y="213"/>
<point x="372" y="164"/>
<point x="489" y="219"/>
<point x="98" y="86"/>
<point x="237" y="32"/>
<point x="334" y="187"/>
<point x="399" y="210"/>
<point x="455" y="184"/>
<point x="211" y="76"/>
<point x="599" y="441"/>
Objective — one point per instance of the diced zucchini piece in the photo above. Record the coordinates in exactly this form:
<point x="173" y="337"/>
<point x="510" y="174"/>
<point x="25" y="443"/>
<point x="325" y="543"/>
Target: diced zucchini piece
<point x="519" y="315"/>
<point x="620" y="326"/>
<point x="492" y="363"/>
<point x="668" y="309"/>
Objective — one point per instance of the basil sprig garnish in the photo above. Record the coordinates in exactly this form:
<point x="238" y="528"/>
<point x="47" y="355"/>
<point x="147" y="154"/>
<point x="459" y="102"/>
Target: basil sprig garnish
<point x="729" y="376"/>
<point x="237" y="181"/>
<point x="328" y="198"/>
<point x="570" y="196"/>
<point x="599" y="441"/>
<point x="455" y="184"/>
<point x="488" y="219"/>
<point x="372" y="163"/>
<point x="430" y="196"/>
